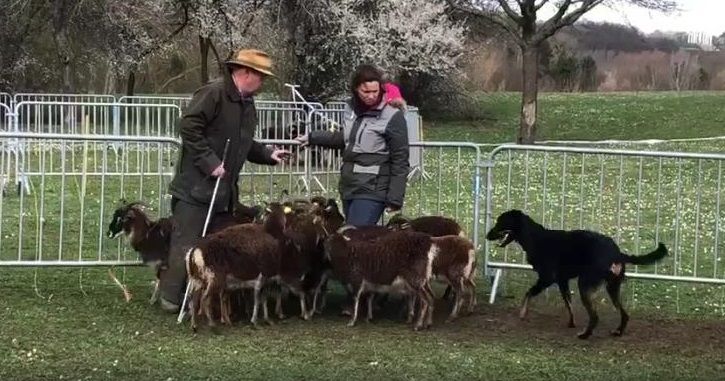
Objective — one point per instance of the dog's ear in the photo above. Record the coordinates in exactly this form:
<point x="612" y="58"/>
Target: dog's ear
<point x="522" y="223"/>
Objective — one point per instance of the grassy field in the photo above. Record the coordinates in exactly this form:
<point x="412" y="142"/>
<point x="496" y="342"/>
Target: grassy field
<point x="594" y="116"/>
<point x="74" y="324"/>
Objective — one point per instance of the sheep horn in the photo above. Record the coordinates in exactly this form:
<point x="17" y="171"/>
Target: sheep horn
<point x="345" y="228"/>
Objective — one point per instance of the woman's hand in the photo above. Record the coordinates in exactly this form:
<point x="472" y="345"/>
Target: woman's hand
<point x="304" y="140"/>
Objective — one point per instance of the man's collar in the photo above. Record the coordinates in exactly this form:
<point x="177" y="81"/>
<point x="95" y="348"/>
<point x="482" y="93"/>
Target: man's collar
<point x="231" y="89"/>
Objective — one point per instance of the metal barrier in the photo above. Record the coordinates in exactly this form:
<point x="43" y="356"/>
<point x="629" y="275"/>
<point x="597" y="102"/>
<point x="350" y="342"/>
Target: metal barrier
<point x="7" y="147"/>
<point x="639" y="198"/>
<point x="63" y="221"/>
<point x="101" y="118"/>
<point x="77" y="118"/>
<point x="6" y="117"/>
<point x="41" y="97"/>
<point x="6" y="99"/>
<point x="453" y="186"/>
<point x="181" y="101"/>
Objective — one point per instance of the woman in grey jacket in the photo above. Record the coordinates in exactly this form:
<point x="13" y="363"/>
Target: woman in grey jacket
<point x="375" y="148"/>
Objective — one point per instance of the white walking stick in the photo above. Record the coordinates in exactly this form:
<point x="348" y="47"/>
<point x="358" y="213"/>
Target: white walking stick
<point x="182" y="311"/>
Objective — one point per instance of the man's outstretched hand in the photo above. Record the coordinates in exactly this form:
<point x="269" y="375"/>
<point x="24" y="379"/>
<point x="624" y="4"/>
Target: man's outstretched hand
<point x="279" y="155"/>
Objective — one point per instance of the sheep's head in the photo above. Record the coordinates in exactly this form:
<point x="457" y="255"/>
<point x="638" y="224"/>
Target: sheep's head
<point x="245" y="214"/>
<point x="124" y="218"/>
<point x="318" y="202"/>
<point x="337" y="243"/>
<point x="398" y="222"/>
<point x="326" y="215"/>
<point x="275" y="217"/>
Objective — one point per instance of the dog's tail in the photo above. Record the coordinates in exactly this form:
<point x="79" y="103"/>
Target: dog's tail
<point x="647" y="259"/>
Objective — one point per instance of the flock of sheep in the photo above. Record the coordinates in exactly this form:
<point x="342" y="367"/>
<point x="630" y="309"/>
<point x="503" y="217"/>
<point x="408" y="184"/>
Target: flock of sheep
<point x="296" y="247"/>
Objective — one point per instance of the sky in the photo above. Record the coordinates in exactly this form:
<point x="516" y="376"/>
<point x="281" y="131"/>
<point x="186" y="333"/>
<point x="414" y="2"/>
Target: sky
<point x="707" y="16"/>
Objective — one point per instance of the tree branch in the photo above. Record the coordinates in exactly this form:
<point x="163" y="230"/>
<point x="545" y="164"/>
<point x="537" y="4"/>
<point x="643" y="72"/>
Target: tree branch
<point x="167" y="39"/>
<point x="510" y="12"/>
<point x="220" y="64"/>
<point x="543" y="2"/>
<point x="492" y="17"/>
<point x="175" y="78"/>
<point x="562" y="19"/>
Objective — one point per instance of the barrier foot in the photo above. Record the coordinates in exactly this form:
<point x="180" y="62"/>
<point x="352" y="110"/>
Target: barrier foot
<point x="494" y="287"/>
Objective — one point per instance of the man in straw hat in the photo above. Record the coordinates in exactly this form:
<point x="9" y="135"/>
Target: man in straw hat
<point x="220" y="110"/>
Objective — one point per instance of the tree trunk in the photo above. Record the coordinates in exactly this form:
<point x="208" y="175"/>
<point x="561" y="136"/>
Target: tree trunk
<point x="60" y="19"/>
<point x="204" y="51"/>
<point x="64" y="53"/>
<point x="109" y="85"/>
<point x="529" y="106"/>
<point x="131" y="82"/>
<point x="220" y="63"/>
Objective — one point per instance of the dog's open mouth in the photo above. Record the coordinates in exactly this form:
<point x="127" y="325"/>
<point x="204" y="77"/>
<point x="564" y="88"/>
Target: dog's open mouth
<point x="505" y="238"/>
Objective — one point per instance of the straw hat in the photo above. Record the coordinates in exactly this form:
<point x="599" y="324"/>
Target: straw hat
<point x="253" y="59"/>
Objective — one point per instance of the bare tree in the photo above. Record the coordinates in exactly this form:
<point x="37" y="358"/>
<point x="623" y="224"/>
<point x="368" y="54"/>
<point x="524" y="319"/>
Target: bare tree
<point x="17" y="27"/>
<point x="61" y="16"/>
<point x="226" y="22"/>
<point x="135" y="32"/>
<point x="519" y="19"/>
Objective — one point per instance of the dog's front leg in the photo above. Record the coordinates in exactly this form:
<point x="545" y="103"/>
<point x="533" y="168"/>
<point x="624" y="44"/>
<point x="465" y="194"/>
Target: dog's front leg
<point x="536" y="289"/>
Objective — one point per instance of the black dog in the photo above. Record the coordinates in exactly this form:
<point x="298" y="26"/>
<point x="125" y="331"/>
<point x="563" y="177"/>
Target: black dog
<point x="559" y="255"/>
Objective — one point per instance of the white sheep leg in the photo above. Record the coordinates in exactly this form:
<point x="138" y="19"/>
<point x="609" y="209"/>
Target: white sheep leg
<point x="356" y="307"/>
<point x="278" y="306"/>
<point x="155" y="293"/>
<point x="411" y="308"/>
<point x="303" y="307"/>
<point x="265" y="310"/>
<point x="371" y="297"/>
<point x="316" y="295"/>
<point x="431" y="301"/>
<point x="255" y="310"/>
<point x="458" y="301"/>
<point x="423" y="309"/>
<point x="472" y="302"/>
<point x="194" y="303"/>
<point x="206" y="300"/>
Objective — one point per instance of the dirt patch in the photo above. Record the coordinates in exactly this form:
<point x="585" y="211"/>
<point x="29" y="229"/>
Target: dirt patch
<point x="549" y="323"/>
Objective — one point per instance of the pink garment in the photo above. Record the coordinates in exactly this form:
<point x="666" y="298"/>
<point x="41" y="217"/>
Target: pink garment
<point x="391" y="92"/>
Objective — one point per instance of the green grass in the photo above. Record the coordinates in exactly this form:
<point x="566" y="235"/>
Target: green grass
<point x="73" y="324"/>
<point x="624" y="116"/>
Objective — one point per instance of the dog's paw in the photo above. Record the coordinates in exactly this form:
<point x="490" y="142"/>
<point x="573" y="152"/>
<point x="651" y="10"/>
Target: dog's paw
<point x="617" y="332"/>
<point x="584" y="334"/>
